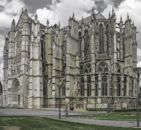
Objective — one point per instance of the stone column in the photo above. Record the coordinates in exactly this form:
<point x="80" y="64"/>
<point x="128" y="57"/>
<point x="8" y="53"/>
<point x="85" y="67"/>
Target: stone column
<point x="127" y="90"/>
<point x="122" y="85"/>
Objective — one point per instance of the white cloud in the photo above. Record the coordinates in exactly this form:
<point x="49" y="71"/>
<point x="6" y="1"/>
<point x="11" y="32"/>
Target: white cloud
<point x="63" y="10"/>
<point x="11" y="10"/>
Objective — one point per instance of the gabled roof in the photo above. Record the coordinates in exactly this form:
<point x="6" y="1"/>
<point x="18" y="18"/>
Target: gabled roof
<point x="99" y="16"/>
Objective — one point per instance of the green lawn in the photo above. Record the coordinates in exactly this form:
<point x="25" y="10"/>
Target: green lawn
<point x="128" y="116"/>
<point x="36" y="123"/>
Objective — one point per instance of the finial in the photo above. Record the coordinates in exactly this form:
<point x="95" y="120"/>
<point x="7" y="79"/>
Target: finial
<point x="82" y="20"/>
<point x="121" y="19"/>
<point x="36" y="17"/>
<point x="127" y="16"/>
<point x="113" y="11"/>
<point x="59" y="24"/>
<point x="73" y="16"/>
<point x="13" y="25"/>
<point x="109" y="15"/>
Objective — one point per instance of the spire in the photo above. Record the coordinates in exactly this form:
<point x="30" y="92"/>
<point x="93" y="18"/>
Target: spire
<point x="59" y="24"/>
<point x="47" y="23"/>
<point x="113" y="12"/>
<point x="121" y="19"/>
<point x="93" y="14"/>
<point x="25" y="15"/>
<point x="82" y="20"/>
<point x="128" y="16"/>
<point x="109" y="15"/>
<point x="13" y="25"/>
<point x="73" y="16"/>
<point x="36" y="18"/>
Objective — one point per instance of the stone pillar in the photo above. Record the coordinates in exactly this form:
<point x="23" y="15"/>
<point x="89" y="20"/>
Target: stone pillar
<point x="128" y="86"/>
<point x="122" y="85"/>
<point x="115" y="85"/>
<point x="93" y="63"/>
<point x="85" y="85"/>
<point x="82" y="48"/>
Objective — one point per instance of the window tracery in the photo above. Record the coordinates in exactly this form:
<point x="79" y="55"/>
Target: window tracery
<point x="103" y="67"/>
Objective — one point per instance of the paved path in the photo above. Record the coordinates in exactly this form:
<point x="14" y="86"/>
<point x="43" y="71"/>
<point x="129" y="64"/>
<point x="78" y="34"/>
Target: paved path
<point x="39" y="112"/>
<point x="126" y="124"/>
<point x="54" y="115"/>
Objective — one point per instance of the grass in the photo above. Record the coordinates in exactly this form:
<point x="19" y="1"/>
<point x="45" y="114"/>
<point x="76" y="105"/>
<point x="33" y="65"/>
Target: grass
<point x="36" y="123"/>
<point x="128" y="116"/>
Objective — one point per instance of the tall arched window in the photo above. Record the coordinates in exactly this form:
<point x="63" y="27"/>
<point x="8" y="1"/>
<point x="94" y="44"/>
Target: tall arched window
<point x="101" y="38"/>
<point x="118" y="86"/>
<point x="96" y="85"/>
<point x="88" y="85"/>
<point x="125" y="86"/>
<point x="107" y="37"/>
<point x="86" y="45"/>
<point x="88" y="72"/>
<point x="80" y="40"/>
<point x="82" y="87"/>
<point x="104" y="85"/>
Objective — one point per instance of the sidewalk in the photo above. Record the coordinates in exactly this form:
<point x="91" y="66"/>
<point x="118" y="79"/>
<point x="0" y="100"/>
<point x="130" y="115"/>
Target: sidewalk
<point x="125" y="124"/>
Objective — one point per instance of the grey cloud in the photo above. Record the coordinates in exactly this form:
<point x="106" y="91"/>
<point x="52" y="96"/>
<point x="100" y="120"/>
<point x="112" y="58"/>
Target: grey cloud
<point x="101" y="5"/>
<point x="117" y="2"/>
<point x="33" y="5"/>
<point x="1" y="8"/>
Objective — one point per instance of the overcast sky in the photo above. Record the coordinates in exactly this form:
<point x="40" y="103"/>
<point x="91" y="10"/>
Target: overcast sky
<point x="61" y="10"/>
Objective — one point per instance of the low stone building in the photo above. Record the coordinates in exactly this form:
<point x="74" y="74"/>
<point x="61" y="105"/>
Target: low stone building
<point x="94" y="57"/>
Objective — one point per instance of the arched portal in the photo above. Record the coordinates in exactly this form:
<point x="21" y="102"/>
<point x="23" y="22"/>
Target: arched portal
<point x="15" y="96"/>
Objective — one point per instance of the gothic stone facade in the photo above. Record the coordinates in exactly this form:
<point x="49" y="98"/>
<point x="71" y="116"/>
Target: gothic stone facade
<point x="95" y="57"/>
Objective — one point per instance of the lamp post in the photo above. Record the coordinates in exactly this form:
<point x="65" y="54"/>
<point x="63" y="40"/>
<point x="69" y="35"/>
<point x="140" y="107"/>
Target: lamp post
<point x="60" y="83"/>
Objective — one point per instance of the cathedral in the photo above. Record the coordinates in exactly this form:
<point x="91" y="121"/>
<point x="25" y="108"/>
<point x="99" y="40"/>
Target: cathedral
<point x="87" y="64"/>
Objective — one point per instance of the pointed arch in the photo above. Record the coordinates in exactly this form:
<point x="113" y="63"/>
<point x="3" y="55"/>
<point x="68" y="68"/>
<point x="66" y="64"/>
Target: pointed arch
<point x="118" y="86"/>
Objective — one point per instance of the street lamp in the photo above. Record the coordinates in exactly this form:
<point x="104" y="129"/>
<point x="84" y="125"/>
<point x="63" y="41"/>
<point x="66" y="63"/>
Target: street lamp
<point x="60" y="83"/>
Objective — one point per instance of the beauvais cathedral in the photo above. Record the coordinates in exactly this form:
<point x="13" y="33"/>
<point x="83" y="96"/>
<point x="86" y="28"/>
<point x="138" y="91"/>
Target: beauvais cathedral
<point x="89" y="63"/>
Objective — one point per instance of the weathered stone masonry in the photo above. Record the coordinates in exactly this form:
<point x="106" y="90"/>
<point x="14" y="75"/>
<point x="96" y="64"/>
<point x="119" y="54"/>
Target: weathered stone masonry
<point x="95" y="56"/>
